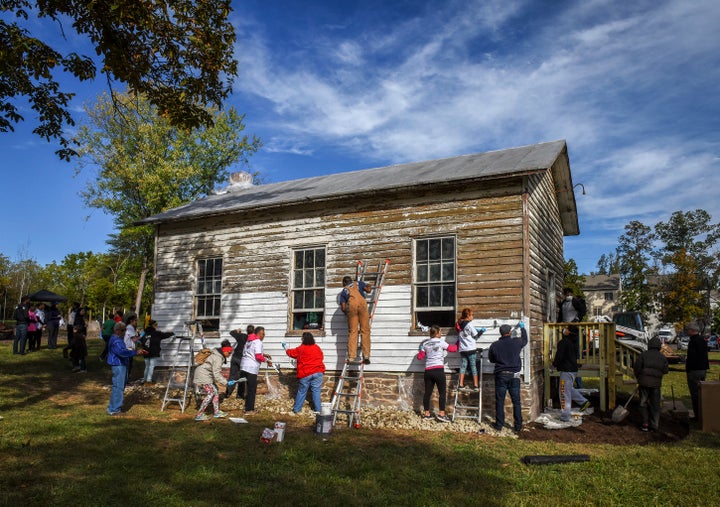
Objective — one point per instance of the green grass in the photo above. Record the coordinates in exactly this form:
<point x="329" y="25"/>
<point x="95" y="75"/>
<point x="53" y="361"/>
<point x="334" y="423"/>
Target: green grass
<point x="58" y="447"/>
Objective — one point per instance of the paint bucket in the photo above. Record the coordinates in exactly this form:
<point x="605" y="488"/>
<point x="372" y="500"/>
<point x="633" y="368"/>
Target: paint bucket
<point x="279" y="431"/>
<point x="323" y="424"/>
<point x="326" y="409"/>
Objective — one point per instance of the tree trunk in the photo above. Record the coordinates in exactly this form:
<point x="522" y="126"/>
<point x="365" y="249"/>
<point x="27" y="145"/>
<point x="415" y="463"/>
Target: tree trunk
<point x="141" y="287"/>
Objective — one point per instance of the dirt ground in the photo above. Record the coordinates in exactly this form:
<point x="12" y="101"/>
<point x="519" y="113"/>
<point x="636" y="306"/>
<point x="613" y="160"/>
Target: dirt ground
<point x="598" y="428"/>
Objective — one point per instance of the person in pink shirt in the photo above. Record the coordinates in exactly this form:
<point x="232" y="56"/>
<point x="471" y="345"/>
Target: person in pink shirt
<point x="433" y="351"/>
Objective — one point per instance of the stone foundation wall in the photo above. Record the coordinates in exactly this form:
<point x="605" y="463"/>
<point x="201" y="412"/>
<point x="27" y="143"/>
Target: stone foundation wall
<point x="392" y="390"/>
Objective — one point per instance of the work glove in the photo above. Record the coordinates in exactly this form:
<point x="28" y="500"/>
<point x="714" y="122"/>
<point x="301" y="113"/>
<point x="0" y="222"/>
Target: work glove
<point x="284" y="345"/>
<point x="521" y="325"/>
<point x="480" y="330"/>
<point x="231" y="383"/>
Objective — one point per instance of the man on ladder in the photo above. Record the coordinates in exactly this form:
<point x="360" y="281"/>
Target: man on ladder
<point x="355" y="306"/>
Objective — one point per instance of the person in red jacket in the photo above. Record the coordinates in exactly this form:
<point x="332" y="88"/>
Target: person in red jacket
<point x="310" y="369"/>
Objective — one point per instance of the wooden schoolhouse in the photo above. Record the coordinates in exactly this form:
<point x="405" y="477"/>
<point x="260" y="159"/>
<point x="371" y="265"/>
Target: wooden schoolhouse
<point x="483" y="231"/>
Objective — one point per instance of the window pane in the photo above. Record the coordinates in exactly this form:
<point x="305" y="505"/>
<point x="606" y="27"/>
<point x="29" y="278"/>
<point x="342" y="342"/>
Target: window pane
<point x="309" y="278"/>
<point x="298" y="302"/>
<point x="320" y="258"/>
<point x="299" y="260"/>
<point x="435" y="295"/>
<point x="218" y="268"/>
<point x="201" y="269"/>
<point x="319" y="277"/>
<point x="434" y="272"/>
<point x="319" y="296"/>
<point x="422" y="273"/>
<point x="421" y="296"/>
<point x="421" y="251"/>
<point x="448" y="272"/>
<point x="310" y="259"/>
<point x="448" y="248"/>
<point x="448" y="297"/>
<point x="218" y="287"/>
<point x="298" y="279"/>
<point x="434" y="250"/>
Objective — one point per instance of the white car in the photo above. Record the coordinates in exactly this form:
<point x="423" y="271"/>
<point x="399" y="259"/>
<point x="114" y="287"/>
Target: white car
<point x="667" y="335"/>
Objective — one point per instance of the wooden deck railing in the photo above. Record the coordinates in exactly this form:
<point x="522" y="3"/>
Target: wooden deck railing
<point x="601" y="356"/>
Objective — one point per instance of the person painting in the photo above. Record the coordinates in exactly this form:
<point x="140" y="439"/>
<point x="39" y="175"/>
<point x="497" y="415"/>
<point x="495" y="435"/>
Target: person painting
<point x="253" y="357"/>
<point x="432" y="351"/>
<point x="236" y="360"/>
<point x="355" y="307"/>
<point x="505" y="353"/>
<point x="310" y="370"/>
<point x="118" y="358"/>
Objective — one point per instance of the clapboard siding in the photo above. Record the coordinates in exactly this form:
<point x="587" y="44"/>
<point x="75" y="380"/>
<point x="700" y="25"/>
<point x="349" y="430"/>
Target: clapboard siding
<point x="509" y="237"/>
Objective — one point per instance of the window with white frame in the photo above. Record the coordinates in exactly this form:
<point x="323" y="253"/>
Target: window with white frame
<point x="208" y="292"/>
<point x="434" y="281"/>
<point x="308" y="292"/>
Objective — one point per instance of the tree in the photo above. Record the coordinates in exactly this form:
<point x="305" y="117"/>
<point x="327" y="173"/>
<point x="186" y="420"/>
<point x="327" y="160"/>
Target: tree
<point x="147" y="166"/>
<point x="178" y="53"/>
<point x="608" y="264"/>
<point x="689" y="243"/>
<point x="572" y="279"/>
<point x="634" y="255"/>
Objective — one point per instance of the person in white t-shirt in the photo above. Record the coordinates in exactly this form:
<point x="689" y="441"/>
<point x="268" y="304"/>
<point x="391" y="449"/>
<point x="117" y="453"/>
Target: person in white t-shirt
<point x="253" y="357"/>
<point x="433" y="352"/>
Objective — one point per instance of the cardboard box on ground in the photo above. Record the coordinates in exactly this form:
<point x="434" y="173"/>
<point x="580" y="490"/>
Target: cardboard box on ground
<point x="710" y="405"/>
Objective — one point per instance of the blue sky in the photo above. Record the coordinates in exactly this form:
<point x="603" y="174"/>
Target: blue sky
<point x="338" y="86"/>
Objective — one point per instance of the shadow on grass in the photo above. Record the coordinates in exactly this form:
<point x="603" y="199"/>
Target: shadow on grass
<point x="58" y="447"/>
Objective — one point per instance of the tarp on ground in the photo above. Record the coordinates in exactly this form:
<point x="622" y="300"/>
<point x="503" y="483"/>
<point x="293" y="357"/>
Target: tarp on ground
<point x="46" y="296"/>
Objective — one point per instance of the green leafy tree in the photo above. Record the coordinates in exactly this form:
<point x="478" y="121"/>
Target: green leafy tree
<point x="146" y="166"/>
<point x="635" y="248"/>
<point x="689" y="242"/>
<point x="178" y="53"/>
<point x="608" y="264"/>
<point x="572" y="279"/>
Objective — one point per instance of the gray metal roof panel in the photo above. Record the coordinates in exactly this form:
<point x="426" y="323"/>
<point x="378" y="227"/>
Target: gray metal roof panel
<point x="492" y="164"/>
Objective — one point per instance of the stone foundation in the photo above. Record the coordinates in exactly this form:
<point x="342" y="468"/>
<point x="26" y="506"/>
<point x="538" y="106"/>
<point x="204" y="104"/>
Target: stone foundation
<point x="392" y="390"/>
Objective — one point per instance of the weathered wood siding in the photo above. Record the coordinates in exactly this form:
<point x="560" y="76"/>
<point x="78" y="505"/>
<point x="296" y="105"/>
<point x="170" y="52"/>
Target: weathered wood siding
<point x="545" y="244"/>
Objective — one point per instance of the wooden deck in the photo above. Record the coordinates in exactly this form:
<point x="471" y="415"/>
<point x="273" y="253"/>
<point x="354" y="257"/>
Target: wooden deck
<point x="601" y="356"/>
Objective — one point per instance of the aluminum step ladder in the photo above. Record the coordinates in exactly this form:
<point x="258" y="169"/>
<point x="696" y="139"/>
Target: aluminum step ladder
<point x="465" y="400"/>
<point x="181" y="370"/>
<point x="375" y="279"/>
<point x="347" y="399"/>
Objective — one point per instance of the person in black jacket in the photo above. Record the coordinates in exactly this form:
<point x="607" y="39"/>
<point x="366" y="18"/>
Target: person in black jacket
<point x="649" y="370"/>
<point x="565" y="362"/>
<point x="240" y="341"/>
<point x="505" y="353"/>
<point x="151" y="342"/>
<point x="22" y="319"/>
<point x="696" y="364"/>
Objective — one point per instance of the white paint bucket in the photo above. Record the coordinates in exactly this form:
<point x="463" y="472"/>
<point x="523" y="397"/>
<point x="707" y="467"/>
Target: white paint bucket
<point x="326" y="409"/>
<point x="279" y="431"/>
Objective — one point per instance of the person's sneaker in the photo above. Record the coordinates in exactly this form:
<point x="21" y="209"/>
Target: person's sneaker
<point x="462" y="388"/>
<point x="475" y="389"/>
<point x="81" y="371"/>
<point x="366" y="360"/>
<point x="585" y="406"/>
<point x="427" y="417"/>
<point x="201" y="417"/>
<point x="250" y="412"/>
<point x="76" y="369"/>
<point x="442" y="418"/>
<point x="644" y="428"/>
<point x="357" y="360"/>
<point x="220" y="414"/>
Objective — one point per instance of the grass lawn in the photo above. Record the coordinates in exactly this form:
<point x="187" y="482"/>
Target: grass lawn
<point x="58" y="447"/>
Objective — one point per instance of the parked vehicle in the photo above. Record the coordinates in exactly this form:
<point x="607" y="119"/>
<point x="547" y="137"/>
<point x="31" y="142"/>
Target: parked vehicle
<point x="683" y="341"/>
<point x="712" y="342"/>
<point x="667" y="335"/>
<point x="629" y="326"/>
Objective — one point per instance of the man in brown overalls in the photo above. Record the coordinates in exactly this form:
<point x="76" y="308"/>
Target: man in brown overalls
<point x="354" y="304"/>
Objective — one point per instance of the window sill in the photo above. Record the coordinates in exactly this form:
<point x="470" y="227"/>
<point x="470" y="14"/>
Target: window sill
<point x="299" y="332"/>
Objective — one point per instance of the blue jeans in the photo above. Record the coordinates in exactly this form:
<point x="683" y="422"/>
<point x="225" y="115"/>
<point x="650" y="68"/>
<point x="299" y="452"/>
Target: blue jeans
<point x="149" y="368"/>
<point x="468" y="360"/>
<point x="119" y="375"/>
<point x="20" y="338"/>
<point x="314" y="383"/>
<point x="506" y="382"/>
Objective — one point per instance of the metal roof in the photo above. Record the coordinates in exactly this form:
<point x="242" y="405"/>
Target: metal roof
<point x="478" y="166"/>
